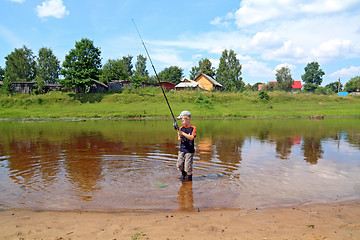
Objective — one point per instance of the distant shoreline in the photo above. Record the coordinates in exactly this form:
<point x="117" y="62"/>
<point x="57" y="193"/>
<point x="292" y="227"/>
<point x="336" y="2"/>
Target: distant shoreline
<point x="149" y="104"/>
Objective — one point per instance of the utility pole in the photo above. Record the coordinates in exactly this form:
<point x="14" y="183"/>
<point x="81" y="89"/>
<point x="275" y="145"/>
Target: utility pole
<point x="339" y="86"/>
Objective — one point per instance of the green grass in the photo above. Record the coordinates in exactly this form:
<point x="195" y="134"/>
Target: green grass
<point x="149" y="103"/>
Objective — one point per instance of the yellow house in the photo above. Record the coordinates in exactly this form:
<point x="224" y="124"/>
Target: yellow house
<point x="208" y="83"/>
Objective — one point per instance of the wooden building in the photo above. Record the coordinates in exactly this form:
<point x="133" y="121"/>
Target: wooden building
<point x="186" y="86"/>
<point x="23" y="87"/>
<point x="168" y="85"/>
<point x="98" y="87"/>
<point x="208" y="83"/>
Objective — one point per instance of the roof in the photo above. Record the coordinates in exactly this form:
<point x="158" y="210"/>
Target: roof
<point x="296" y="85"/>
<point x="187" y="84"/>
<point x="187" y="80"/>
<point x="166" y="82"/>
<point x="210" y="79"/>
<point x="100" y="83"/>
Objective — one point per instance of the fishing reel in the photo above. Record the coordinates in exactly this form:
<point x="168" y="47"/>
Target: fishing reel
<point x="175" y="125"/>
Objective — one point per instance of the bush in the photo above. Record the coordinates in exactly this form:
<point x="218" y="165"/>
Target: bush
<point x="263" y="96"/>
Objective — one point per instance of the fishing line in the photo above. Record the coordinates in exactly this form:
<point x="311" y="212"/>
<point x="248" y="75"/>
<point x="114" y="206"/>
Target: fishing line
<point x="157" y="77"/>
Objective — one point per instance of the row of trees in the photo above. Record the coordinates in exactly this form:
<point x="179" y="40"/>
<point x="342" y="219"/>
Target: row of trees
<point x="83" y="63"/>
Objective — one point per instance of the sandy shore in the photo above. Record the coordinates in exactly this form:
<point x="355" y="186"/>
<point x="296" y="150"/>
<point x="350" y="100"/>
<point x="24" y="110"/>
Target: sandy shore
<point x="320" y="221"/>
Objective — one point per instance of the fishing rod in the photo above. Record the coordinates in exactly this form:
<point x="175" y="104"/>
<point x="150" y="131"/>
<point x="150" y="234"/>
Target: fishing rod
<point x="157" y="77"/>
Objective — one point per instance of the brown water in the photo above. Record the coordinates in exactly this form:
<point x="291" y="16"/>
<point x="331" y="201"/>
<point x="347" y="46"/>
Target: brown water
<point x="116" y="165"/>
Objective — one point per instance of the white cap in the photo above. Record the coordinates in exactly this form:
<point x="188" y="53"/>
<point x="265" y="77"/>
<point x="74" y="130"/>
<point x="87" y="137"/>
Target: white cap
<point x="184" y="114"/>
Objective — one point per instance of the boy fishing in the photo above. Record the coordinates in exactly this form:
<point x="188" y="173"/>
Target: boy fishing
<point x="186" y="134"/>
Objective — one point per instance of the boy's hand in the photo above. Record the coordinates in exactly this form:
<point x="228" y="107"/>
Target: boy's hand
<point x="179" y="135"/>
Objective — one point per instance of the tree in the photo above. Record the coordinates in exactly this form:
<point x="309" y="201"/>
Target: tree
<point x="255" y="87"/>
<point x="270" y="87"/>
<point x="205" y="66"/>
<point x="20" y="65"/>
<point x="116" y="70"/>
<point x="80" y="65"/>
<point x="334" y="87"/>
<point x="353" y="85"/>
<point x="128" y="66"/>
<point x="48" y="68"/>
<point x="140" y="74"/>
<point x="172" y="74"/>
<point x="312" y="76"/>
<point x="140" y="66"/>
<point x="2" y="74"/>
<point x="284" y="79"/>
<point x="229" y="72"/>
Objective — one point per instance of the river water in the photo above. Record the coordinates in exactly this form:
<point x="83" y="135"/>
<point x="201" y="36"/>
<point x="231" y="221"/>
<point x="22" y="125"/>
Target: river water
<point x="131" y="165"/>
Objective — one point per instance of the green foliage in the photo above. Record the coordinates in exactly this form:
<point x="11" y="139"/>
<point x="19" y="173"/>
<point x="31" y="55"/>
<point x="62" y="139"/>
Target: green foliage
<point x="48" y="66"/>
<point x="323" y="90"/>
<point x="137" y="236"/>
<point x="205" y="66"/>
<point x="138" y="79"/>
<point x="334" y="87"/>
<point x="6" y="87"/>
<point x="263" y="95"/>
<point x="353" y="85"/>
<point x="87" y="97"/>
<point x="270" y="87"/>
<point x="312" y="77"/>
<point x="48" y="69"/>
<point x="255" y="87"/>
<point x="2" y="74"/>
<point x="284" y="79"/>
<point x="229" y="72"/>
<point x="149" y="103"/>
<point x="140" y="66"/>
<point x="116" y="70"/>
<point x="172" y="74"/>
<point x="128" y="66"/>
<point x="203" y="101"/>
<point x="81" y="65"/>
<point x="20" y="66"/>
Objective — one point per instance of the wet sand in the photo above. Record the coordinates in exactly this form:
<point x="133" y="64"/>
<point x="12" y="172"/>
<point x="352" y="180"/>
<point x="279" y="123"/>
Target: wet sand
<point x="318" y="221"/>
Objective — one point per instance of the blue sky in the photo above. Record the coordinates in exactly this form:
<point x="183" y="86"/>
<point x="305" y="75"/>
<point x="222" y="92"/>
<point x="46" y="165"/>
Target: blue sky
<point x="265" y="34"/>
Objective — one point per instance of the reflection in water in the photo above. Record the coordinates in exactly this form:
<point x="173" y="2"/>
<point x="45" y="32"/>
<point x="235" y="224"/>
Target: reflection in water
<point x="186" y="196"/>
<point x="312" y="149"/>
<point x="84" y="170"/>
<point x="115" y="165"/>
<point x="229" y="150"/>
<point x="283" y="147"/>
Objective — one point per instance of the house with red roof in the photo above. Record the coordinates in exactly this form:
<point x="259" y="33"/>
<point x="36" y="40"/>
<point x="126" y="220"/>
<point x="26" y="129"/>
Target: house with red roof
<point x="296" y="86"/>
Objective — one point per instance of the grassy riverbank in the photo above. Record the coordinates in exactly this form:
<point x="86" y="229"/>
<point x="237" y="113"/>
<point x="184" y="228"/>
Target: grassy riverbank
<point x="149" y="103"/>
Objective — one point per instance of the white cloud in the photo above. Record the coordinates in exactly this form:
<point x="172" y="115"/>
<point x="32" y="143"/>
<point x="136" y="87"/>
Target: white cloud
<point x="197" y="56"/>
<point x="257" y="69"/>
<point x="328" y="6"/>
<point x="347" y="72"/>
<point x="52" y="8"/>
<point x="169" y="57"/>
<point x="258" y="11"/>
<point x="333" y="48"/>
<point x="288" y="65"/>
<point x="288" y="52"/>
<point x="18" y="1"/>
<point x="212" y="42"/>
<point x="262" y="41"/>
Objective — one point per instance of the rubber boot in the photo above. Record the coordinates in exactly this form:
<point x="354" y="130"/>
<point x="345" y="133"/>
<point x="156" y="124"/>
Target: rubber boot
<point x="183" y="175"/>
<point x="188" y="178"/>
